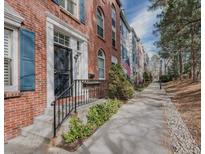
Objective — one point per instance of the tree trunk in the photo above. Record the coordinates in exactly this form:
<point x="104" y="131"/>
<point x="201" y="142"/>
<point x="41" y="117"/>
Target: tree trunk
<point x="193" y="56"/>
<point x="180" y="64"/>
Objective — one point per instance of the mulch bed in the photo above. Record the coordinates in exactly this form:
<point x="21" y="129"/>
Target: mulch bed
<point x="72" y="147"/>
<point x="186" y="96"/>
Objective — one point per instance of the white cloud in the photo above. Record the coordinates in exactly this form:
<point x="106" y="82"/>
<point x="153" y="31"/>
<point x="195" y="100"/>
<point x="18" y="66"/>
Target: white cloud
<point x="143" y="22"/>
<point x="150" y="48"/>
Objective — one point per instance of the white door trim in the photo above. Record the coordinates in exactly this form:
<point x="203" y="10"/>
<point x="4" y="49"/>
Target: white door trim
<point x="80" y="69"/>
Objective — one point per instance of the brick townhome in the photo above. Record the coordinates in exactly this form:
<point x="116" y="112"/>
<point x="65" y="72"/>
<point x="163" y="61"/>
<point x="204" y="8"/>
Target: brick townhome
<point x="87" y="33"/>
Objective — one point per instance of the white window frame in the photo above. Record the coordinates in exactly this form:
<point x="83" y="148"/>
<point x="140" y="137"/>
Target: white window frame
<point x="102" y="58"/>
<point x="103" y="21"/>
<point x="76" y="12"/>
<point x="15" y="60"/>
<point x="114" y="30"/>
<point x="114" y="60"/>
<point x="113" y="16"/>
<point x="64" y="40"/>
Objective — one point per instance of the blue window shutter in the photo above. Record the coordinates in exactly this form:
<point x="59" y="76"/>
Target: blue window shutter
<point x="56" y="1"/>
<point x="82" y="11"/>
<point x="27" y="60"/>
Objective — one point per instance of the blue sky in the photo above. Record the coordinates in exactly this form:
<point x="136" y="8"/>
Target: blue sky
<point x="142" y="21"/>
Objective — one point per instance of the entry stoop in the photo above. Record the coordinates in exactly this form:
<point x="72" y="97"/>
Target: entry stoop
<point x="37" y="137"/>
<point x="34" y="137"/>
<point x="41" y="128"/>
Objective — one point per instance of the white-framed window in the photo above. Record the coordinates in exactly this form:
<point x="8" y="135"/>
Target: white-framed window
<point x="113" y="26"/>
<point x="123" y="30"/>
<point x="11" y="74"/>
<point x="100" y="23"/>
<point x="101" y="64"/>
<point x="114" y="60"/>
<point x="113" y="37"/>
<point x="62" y="39"/>
<point x="71" y="6"/>
<point x="8" y="59"/>
<point x="113" y="17"/>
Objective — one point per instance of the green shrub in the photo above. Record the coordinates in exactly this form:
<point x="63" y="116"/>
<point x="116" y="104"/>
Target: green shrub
<point x="97" y="115"/>
<point x="146" y="76"/>
<point x="118" y="86"/>
<point x="165" y="78"/>
<point x="100" y="113"/>
<point x="78" y="130"/>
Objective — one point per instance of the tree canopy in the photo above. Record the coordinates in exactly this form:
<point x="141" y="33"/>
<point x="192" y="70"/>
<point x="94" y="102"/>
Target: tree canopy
<point x="179" y="28"/>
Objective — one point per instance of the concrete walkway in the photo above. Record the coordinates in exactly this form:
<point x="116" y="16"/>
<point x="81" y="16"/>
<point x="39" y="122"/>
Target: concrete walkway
<point x="138" y="128"/>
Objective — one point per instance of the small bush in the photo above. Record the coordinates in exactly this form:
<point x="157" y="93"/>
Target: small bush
<point x="78" y="130"/>
<point x="118" y="86"/>
<point x="146" y="76"/>
<point x="97" y="115"/>
<point x="165" y="78"/>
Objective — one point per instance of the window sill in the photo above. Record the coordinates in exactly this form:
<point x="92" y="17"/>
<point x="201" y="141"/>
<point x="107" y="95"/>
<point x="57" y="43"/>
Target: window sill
<point x="13" y="94"/>
<point x="70" y="15"/>
<point x="102" y="79"/>
<point x="102" y="38"/>
<point x="114" y="47"/>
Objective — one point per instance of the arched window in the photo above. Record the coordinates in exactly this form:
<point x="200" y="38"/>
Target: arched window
<point x="101" y="64"/>
<point x="113" y="17"/>
<point x="100" y="23"/>
<point x="113" y="26"/>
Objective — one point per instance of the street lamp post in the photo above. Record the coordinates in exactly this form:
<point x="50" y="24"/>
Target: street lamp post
<point x="160" y="74"/>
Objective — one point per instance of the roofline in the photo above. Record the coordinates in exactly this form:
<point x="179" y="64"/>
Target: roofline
<point x="124" y="18"/>
<point x="133" y="31"/>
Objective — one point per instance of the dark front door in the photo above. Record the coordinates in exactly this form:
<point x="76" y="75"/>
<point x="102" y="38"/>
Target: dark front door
<point x="62" y="69"/>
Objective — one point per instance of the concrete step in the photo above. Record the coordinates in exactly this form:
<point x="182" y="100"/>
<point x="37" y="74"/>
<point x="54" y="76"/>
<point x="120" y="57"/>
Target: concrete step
<point x="49" y="111"/>
<point x="46" y="120"/>
<point x="42" y="133"/>
<point x="25" y="145"/>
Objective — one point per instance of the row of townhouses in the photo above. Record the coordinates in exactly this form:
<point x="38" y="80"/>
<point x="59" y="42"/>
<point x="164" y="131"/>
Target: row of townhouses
<point x="50" y="43"/>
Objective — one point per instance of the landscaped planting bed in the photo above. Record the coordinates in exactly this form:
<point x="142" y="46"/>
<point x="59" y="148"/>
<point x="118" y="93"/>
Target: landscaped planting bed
<point x="186" y="96"/>
<point x="80" y="131"/>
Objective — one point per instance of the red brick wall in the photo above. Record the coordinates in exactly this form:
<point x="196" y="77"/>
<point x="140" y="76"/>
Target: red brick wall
<point x="95" y="42"/>
<point x="19" y="111"/>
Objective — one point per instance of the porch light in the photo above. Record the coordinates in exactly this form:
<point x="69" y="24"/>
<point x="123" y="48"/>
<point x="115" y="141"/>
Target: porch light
<point x="77" y="56"/>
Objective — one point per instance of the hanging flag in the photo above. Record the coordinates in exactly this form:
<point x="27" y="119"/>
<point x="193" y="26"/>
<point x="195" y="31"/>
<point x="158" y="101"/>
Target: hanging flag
<point x="126" y="65"/>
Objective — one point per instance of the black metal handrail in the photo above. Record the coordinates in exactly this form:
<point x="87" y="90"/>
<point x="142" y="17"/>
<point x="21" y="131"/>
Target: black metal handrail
<point x="80" y="92"/>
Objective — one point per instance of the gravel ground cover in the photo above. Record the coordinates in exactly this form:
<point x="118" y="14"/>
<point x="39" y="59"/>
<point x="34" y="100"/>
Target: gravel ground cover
<point x="182" y="141"/>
